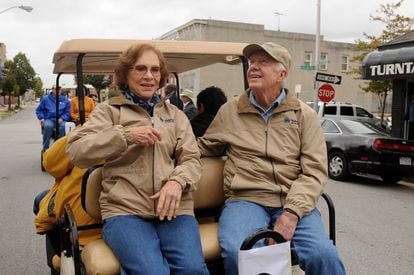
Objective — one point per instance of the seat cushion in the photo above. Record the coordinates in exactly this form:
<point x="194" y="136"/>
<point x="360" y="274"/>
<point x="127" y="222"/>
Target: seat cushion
<point x="209" y="241"/>
<point x="99" y="259"/>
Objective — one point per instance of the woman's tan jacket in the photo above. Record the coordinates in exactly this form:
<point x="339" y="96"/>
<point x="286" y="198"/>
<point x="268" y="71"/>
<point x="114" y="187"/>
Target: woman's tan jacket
<point x="132" y="172"/>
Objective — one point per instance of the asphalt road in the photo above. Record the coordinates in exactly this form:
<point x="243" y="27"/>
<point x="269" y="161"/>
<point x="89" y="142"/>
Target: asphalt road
<point x="374" y="227"/>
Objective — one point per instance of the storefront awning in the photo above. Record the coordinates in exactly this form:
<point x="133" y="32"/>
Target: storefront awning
<point x="389" y="64"/>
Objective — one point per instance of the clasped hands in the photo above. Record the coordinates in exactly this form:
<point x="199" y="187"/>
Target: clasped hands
<point x="169" y="197"/>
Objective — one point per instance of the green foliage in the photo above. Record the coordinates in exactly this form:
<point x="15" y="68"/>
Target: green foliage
<point x="8" y="82"/>
<point x="99" y="82"/>
<point x="37" y="87"/>
<point x="19" y="76"/>
<point x="25" y="74"/>
<point x="395" y="25"/>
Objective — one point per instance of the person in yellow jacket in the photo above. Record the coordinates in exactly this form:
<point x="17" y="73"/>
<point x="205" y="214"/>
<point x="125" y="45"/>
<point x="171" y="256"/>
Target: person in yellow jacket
<point x="89" y="104"/>
<point x="67" y="189"/>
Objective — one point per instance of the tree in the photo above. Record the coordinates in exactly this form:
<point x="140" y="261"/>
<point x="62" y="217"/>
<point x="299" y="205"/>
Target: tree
<point x="25" y="75"/>
<point x="8" y="83"/>
<point x="395" y="25"/>
<point x="37" y="87"/>
<point x="99" y="82"/>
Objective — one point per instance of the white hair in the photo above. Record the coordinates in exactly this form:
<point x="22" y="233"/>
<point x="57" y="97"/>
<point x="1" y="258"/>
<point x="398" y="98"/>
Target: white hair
<point x="280" y="67"/>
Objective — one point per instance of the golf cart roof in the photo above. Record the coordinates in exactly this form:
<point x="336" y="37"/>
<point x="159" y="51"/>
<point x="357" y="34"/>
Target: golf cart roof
<point x="101" y="55"/>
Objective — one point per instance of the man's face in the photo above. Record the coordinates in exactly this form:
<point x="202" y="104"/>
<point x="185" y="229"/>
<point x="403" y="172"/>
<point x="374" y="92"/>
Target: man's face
<point x="263" y="72"/>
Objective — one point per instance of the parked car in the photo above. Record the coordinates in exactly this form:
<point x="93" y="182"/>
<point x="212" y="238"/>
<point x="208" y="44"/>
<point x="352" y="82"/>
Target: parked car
<point x="360" y="146"/>
<point x="347" y="110"/>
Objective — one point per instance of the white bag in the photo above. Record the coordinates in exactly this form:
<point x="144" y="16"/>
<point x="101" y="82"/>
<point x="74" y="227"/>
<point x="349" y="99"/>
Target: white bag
<point x="67" y="265"/>
<point x="272" y="259"/>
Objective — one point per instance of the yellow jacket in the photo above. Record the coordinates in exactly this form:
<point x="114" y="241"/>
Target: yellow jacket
<point x="74" y="108"/>
<point x="67" y="189"/>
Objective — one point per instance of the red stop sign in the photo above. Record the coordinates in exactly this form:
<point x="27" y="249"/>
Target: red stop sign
<point x="326" y="93"/>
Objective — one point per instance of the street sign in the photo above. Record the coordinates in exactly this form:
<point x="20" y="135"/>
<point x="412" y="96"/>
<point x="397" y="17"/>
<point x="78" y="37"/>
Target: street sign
<point x="308" y="67"/>
<point x="326" y="93"/>
<point x="328" y="78"/>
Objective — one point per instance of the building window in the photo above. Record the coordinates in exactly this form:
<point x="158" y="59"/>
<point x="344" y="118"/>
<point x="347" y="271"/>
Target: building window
<point x="323" y="63"/>
<point x="345" y="63"/>
<point x="308" y="59"/>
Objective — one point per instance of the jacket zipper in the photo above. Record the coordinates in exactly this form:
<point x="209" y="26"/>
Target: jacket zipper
<point x="153" y="168"/>
<point x="271" y="162"/>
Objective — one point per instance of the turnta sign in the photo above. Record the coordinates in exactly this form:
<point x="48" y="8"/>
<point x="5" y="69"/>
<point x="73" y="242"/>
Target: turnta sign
<point x="328" y="78"/>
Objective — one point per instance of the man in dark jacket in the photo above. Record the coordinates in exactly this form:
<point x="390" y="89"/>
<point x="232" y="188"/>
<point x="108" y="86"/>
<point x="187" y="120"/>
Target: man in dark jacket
<point x="46" y="113"/>
<point x="187" y="97"/>
<point x="209" y="102"/>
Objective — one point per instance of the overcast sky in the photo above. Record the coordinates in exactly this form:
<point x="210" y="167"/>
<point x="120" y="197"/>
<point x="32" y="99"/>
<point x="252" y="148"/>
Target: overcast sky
<point x="39" y="33"/>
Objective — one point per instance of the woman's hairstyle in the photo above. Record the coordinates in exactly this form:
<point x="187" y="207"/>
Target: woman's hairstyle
<point x="212" y="98"/>
<point x="127" y="60"/>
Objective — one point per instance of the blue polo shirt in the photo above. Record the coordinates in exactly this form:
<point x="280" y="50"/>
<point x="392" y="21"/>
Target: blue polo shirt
<point x="267" y="113"/>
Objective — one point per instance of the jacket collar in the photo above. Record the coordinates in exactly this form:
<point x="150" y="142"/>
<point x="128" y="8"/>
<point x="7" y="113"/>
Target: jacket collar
<point x="291" y="103"/>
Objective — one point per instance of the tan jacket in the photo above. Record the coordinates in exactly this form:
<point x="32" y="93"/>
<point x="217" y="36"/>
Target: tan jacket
<point x="282" y="163"/>
<point x="133" y="172"/>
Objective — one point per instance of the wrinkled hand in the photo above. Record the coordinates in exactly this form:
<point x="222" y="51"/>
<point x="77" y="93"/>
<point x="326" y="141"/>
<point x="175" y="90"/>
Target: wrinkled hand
<point x="169" y="198"/>
<point x="145" y="135"/>
<point x="286" y="226"/>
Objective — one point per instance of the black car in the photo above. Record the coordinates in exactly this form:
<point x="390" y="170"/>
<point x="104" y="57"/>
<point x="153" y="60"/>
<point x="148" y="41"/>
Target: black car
<point x="360" y="146"/>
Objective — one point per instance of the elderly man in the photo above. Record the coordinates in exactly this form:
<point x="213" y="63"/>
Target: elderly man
<point x="187" y="97"/>
<point x="276" y="167"/>
<point x="46" y="113"/>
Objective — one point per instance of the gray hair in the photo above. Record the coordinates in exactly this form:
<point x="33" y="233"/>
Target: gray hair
<point x="280" y="67"/>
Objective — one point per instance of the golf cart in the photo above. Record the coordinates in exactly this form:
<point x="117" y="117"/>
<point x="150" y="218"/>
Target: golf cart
<point x="99" y="56"/>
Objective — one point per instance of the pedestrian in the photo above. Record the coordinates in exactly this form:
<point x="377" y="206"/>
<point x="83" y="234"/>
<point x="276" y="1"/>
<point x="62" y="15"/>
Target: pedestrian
<point x="88" y="104"/>
<point x="151" y="166"/>
<point x="46" y="113"/>
<point x="187" y="97"/>
<point x="171" y="93"/>
<point x="209" y="102"/>
<point x="276" y="165"/>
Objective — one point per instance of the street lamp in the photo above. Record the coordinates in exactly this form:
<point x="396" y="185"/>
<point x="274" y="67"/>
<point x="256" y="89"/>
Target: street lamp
<point x="25" y="8"/>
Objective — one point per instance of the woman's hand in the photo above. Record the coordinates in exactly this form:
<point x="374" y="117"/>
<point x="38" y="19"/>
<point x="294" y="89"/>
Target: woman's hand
<point x="169" y="198"/>
<point x="145" y="135"/>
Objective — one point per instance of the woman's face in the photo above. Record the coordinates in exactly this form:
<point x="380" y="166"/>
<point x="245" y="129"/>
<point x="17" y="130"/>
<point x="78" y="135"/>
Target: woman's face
<point x="144" y="77"/>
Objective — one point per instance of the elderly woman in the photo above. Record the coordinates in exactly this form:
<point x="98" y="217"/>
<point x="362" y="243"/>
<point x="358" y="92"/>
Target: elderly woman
<point x="151" y="166"/>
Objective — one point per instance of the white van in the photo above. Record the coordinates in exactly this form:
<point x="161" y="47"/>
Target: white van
<point x="341" y="109"/>
<point x="346" y="110"/>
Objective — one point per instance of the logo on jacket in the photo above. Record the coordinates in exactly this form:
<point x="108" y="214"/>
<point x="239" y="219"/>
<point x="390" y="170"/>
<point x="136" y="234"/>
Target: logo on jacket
<point x="167" y="120"/>
<point x="290" y="121"/>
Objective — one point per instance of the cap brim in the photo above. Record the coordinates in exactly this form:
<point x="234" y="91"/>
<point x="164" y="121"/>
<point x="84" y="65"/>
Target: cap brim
<point x="251" y="48"/>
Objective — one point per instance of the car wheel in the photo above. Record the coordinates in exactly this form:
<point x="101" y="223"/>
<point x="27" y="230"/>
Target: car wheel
<point x="337" y="166"/>
<point x="390" y="178"/>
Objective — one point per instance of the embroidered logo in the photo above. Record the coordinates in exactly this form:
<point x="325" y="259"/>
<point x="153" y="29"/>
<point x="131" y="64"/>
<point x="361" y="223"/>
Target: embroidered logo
<point x="290" y="121"/>
<point x="167" y="120"/>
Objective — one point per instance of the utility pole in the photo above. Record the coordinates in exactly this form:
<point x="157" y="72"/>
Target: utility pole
<point x="278" y="14"/>
<point x="318" y="26"/>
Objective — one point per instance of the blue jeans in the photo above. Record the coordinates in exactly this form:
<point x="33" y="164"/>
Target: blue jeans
<point x="154" y="246"/>
<point x="48" y="128"/>
<point x="37" y="200"/>
<point x="317" y="254"/>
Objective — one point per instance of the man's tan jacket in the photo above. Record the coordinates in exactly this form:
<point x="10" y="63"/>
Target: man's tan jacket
<point x="279" y="164"/>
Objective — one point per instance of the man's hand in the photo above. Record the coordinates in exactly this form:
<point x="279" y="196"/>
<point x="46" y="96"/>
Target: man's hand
<point x="42" y="122"/>
<point x="145" y="135"/>
<point x="169" y="198"/>
<point x="60" y="121"/>
<point x="285" y="225"/>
